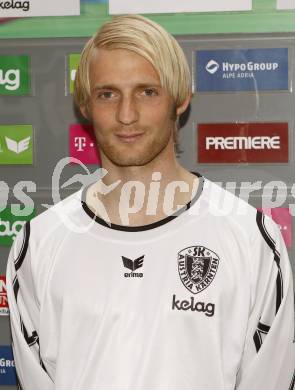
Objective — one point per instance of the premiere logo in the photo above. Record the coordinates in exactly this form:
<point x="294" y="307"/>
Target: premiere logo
<point x="14" y="72"/>
<point x="16" y="145"/>
<point x="243" y="143"/>
<point x="83" y="144"/>
<point x="239" y="143"/>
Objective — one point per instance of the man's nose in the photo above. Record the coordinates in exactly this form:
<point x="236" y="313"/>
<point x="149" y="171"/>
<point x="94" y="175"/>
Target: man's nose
<point x="127" y="112"/>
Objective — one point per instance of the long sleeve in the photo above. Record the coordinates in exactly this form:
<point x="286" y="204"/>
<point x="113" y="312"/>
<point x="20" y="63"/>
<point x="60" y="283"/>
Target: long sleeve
<point x="24" y="316"/>
<point x="269" y="353"/>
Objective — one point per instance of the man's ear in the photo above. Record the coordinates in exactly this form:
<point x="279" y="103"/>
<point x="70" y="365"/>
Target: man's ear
<point x="85" y="112"/>
<point x="180" y="109"/>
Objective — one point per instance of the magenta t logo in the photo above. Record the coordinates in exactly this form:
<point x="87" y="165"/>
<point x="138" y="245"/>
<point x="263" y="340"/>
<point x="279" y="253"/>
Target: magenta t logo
<point x="282" y="216"/>
<point x="83" y="144"/>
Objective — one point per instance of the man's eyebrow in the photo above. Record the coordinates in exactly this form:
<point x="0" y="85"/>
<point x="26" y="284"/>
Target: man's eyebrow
<point x="104" y="86"/>
<point x="148" y="85"/>
<point x="116" y="87"/>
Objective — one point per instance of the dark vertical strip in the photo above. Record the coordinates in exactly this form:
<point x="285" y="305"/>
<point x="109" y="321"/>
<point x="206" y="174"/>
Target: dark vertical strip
<point x="292" y="382"/>
<point x="279" y="283"/>
<point x="15" y="287"/>
<point x="270" y="242"/>
<point x="257" y="340"/>
<point x="24" y="249"/>
<point x="261" y="328"/>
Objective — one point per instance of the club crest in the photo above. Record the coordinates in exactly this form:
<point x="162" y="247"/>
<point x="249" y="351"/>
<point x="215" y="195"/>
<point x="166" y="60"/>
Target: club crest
<point x="197" y="267"/>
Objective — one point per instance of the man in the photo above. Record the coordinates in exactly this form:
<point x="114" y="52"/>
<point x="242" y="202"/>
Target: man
<point x="178" y="291"/>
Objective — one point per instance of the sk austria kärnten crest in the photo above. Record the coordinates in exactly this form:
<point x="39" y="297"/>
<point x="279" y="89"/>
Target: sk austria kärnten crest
<point x="197" y="266"/>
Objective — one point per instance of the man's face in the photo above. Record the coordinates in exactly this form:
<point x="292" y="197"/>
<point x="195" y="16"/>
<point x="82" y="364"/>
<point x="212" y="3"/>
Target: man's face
<point x="133" y="116"/>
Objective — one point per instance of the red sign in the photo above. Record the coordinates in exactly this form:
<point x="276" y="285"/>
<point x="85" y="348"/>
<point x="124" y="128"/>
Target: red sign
<point x="243" y="143"/>
<point x="83" y="144"/>
<point x="3" y="296"/>
<point x="282" y="216"/>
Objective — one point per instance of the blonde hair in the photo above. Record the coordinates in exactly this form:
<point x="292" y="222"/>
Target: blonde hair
<point x="146" y="38"/>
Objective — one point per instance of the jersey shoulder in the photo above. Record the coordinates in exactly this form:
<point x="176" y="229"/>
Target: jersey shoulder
<point x="228" y="209"/>
<point x="59" y="217"/>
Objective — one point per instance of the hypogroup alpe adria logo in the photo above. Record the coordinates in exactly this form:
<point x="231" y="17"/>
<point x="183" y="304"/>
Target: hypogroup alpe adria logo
<point x="212" y="67"/>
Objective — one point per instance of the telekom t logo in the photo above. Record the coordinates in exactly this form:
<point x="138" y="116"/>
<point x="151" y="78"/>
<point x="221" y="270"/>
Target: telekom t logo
<point x="80" y="143"/>
<point x="83" y="145"/>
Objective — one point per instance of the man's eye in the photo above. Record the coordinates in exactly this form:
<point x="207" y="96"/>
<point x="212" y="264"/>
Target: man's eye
<point x="105" y="95"/>
<point x="150" y="92"/>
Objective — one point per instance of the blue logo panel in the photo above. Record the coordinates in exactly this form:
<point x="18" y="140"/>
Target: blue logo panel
<point x="7" y="370"/>
<point x="242" y="70"/>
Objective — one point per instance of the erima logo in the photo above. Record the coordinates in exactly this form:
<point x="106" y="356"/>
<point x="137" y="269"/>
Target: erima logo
<point x="10" y="79"/>
<point x="191" y="305"/>
<point x="249" y="66"/>
<point x="133" y="265"/>
<point x="10" y="230"/>
<point x="212" y="67"/>
<point x="238" y="143"/>
<point x="17" y="147"/>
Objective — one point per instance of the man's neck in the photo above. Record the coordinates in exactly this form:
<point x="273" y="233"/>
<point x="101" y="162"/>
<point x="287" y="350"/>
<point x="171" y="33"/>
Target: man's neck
<point x="142" y="195"/>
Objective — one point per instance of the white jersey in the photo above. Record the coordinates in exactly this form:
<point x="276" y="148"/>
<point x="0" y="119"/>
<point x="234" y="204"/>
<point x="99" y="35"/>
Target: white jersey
<point x="202" y="300"/>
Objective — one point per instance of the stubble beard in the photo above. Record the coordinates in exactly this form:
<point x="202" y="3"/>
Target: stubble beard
<point x="129" y="155"/>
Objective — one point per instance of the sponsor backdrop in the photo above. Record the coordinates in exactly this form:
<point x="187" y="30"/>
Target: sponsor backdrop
<point x="12" y="219"/>
<point x="243" y="143"/>
<point x="14" y="75"/>
<point x="19" y="8"/>
<point x="263" y="17"/>
<point x="4" y="311"/>
<point x="7" y="370"/>
<point x="73" y="65"/>
<point x="164" y="6"/>
<point x="242" y="70"/>
<point x="286" y="4"/>
<point x="83" y="144"/>
<point x="239" y="130"/>
<point x="283" y="218"/>
<point x="16" y="144"/>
